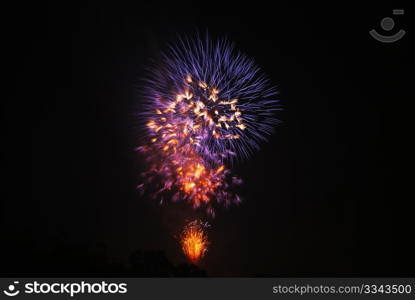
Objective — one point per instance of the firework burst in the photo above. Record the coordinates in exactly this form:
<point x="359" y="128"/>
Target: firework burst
<point x="194" y="241"/>
<point x="212" y="97"/>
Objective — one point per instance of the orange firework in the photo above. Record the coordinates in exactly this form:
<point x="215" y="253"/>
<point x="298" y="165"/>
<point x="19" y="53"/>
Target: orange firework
<point x="194" y="241"/>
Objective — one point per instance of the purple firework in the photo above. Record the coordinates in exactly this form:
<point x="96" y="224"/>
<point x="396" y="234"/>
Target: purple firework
<point x="214" y="97"/>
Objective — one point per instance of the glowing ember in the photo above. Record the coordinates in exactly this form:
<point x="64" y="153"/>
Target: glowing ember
<point x="194" y="241"/>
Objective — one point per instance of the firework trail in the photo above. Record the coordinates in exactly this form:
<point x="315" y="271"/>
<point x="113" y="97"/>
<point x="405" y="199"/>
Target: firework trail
<point x="194" y="241"/>
<point x="206" y="105"/>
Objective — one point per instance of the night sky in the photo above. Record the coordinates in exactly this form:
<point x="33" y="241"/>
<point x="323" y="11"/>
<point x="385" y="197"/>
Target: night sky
<point x="328" y="195"/>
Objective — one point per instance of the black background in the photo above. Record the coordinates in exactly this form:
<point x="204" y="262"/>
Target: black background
<point x="329" y="195"/>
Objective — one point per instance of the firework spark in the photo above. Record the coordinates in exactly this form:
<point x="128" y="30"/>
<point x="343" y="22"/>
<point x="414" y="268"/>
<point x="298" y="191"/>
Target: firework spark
<point x="194" y="241"/>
